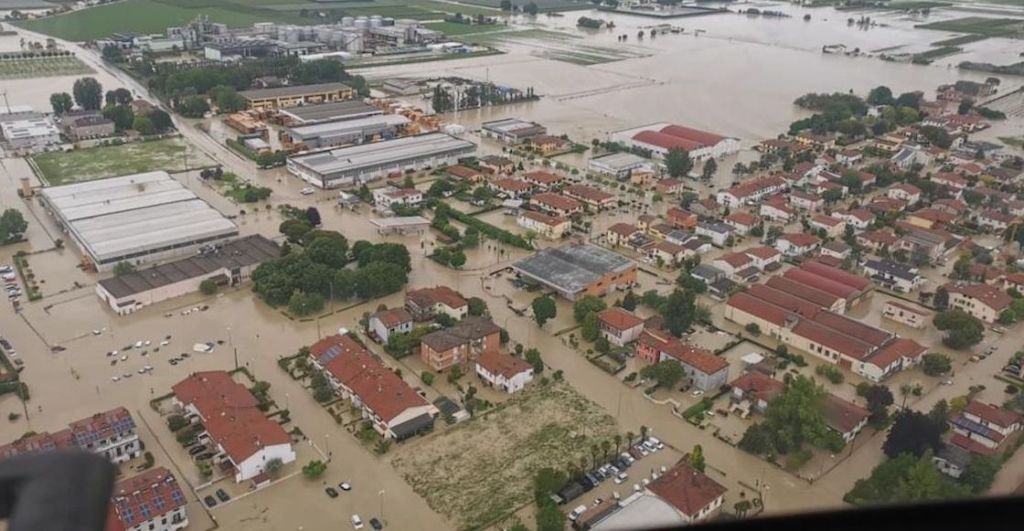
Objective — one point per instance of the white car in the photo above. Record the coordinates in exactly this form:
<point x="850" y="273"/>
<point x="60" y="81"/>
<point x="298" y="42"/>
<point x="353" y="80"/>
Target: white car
<point x="138" y="344"/>
<point x="124" y="358"/>
<point x="619" y="479"/>
<point x="96" y="332"/>
<point x="164" y="343"/>
<point x="357" y="522"/>
<point x="577" y="512"/>
<point x="309" y="191"/>
<point x="115" y="378"/>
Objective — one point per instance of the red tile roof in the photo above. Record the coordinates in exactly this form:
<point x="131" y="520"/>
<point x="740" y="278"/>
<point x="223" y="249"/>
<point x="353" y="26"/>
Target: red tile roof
<point x="424" y="297"/>
<point x="763" y="252"/>
<point x="555" y="201"/>
<point x="908" y="188"/>
<point x="990" y="296"/>
<point x="784" y="299"/>
<point x="230" y="414"/>
<point x="541" y="217"/>
<point x="834" y="273"/>
<point x="757" y="185"/>
<point x="588" y="193"/>
<point x="971" y="445"/>
<point x="686" y="489"/>
<point x="822" y="219"/>
<point x="135" y="497"/>
<point x="853" y="328"/>
<point x="462" y="172"/>
<point x="695" y="135"/>
<point x="742" y="218"/>
<point x="506" y="365"/>
<point x="700" y="359"/>
<point x="511" y="185"/>
<point x="619" y="319"/>
<point x="817" y="281"/>
<point x="748" y="303"/>
<point x="758" y="386"/>
<point x="544" y="178"/>
<point x="992" y="414"/>
<point x="624" y="230"/>
<point x="800" y="239"/>
<point x="900" y="348"/>
<point x="811" y="294"/>
<point x="828" y="337"/>
<point x="842" y="415"/>
<point x="666" y="141"/>
<point x="736" y="260"/>
<point x="393" y="317"/>
<point x="881" y="237"/>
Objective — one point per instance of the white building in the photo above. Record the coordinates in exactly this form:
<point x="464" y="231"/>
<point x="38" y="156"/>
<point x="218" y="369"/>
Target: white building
<point x="389" y="196"/>
<point x="715" y="231"/>
<point x="111" y="434"/>
<point x="547" y="227"/>
<point x="905" y="314"/>
<point x="30" y="135"/>
<point x="503" y="371"/>
<point x="660" y="138"/>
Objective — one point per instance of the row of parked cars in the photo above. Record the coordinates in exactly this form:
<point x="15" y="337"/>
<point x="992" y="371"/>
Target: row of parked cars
<point x="10" y="282"/>
<point x="615" y="470"/>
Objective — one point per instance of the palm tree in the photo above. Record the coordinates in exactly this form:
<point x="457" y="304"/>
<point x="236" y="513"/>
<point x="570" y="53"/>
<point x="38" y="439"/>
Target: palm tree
<point x="606" y="446"/>
<point x="618" y="442"/>
<point x="905" y="390"/>
<point x="629" y="438"/>
<point x="643" y="433"/>
<point x="594" y="451"/>
<point x="583" y="463"/>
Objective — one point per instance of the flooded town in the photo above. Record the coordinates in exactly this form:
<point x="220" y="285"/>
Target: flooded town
<point x="482" y="264"/>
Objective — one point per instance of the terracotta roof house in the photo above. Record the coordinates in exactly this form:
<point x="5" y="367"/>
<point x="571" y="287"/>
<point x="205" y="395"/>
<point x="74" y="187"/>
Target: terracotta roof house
<point x="696" y="496"/>
<point x="619" y="326"/>
<point x="742" y="222"/>
<point x="393" y="321"/>
<point x="543" y="180"/>
<point x="504" y="371"/>
<point x="462" y="343"/>
<point x="150" y="500"/>
<point x="983" y="301"/>
<point x="425" y="303"/>
<point x="797" y="243"/>
<point x="845" y="417"/>
<point x="591" y="196"/>
<point x="115" y="431"/>
<point x="756" y="387"/>
<point x="556" y="204"/>
<point x="465" y="173"/>
<point x="511" y="188"/>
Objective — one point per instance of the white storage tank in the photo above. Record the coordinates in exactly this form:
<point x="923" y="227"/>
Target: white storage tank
<point x="375" y="21"/>
<point x="406" y="23"/>
<point x="347" y="22"/>
<point x="387" y="21"/>
<point x="362" y="23"/>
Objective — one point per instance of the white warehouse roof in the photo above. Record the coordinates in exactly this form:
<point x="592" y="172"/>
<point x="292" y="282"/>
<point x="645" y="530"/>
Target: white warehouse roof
<point x="132" y="216"/>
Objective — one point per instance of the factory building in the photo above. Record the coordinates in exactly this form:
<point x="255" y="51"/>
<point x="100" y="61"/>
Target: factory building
<point x="291" y="96"/>
<point x="345" y="132"/>
<point x="660" y="138"/>
<point x="354" y="165"/>
<point x="328" y="112"/>
<point x="140" y="218"/>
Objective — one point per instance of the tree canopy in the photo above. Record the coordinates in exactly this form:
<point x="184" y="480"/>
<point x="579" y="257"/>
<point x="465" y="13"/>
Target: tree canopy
<point x="914" y="433"/>
<point x="12" y="226"/>
<point x="904" y="479"/>
<point x="544" y="309"/>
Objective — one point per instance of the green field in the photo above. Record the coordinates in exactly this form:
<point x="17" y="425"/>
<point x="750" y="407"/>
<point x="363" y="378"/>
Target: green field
<point x="42" y="67"/>
<point x="992" y="27"/>
<point x="963" y="39"/>
<point x="542" y="5"/>
<point x="154" y="16"/>
<point x="111" y="161"/>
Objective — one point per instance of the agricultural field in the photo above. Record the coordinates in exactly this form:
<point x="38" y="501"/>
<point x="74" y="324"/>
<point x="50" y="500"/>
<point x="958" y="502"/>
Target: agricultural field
<point x="154" y="16"/>
<point x="478" y="472"/>
<point x="560" y="46"/>
<point x="991" y="27"/>
<point x="42" y="67"/>
<point x="542" y="5"/>
<point x="454" y="28"/>
<point x="110" y="161"/>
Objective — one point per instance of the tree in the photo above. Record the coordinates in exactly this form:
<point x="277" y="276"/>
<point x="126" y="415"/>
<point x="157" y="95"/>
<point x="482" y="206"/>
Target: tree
<point x="941" y="298"/>
<point x="532" y="356"/>
<point x="457" y="258"/>
<point x="329" y="251"/>
<point x="549" y="518"/>
<point x="530" y="9"/>
<point x="274" y="466"/>
<point x="962" y="329"/>
<point x="590" y="330"/>
<point x="427" y="377"/>
<point x="936" y="364"/>
<point x="476" y="306"/>
<point x="305" y="303"/>
<point x="313" y="216"/>
<point x="227" y="99"/>
<point x="88" y="93"/>
<point x="879" y="398"/>
<point x="122" y="268"/>
<point x="904" y="479"/>
<point x="697" y="458"/>
<point x="295" y="229"/>
<point x="709" y="169"/>
<point x="667" y="373"/>
<point x="677" y="162"/>
<point x="12" y="226"/>
<point x="121" y="115"/>
<point x="112" y="53"/>
<point x="193" y="106"/>
<point x="506" y="5"/>
<point x="753" y="329"/>
<point x="161" y="120"/>
<point x="629" y="301"/>
<point x="61" y="102"/>
<point x="143" y="125"/>
<point x="880" y="95"/>
<point x="914" y="433"/>
<point x="544" y="309"/>
<point x="980" y="473"/>
<point x="208" y="287"/>
<point x="678" y="311"/>
<point x="314" y="469"/>
<point x="120" y="96"/>
<point x="585" y="306"/>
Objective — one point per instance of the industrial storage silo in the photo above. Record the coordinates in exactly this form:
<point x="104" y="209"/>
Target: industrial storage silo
<point x="406" y="23"/>
<point x="387" y="21"/>
<point x="375" y="21"/>
<point x="353" y="42"/>
<point x="362" y="23"/>
<point x="347" y="22"/>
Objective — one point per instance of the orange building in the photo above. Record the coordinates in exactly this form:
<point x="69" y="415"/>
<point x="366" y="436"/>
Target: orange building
<point x="579" y="269"/>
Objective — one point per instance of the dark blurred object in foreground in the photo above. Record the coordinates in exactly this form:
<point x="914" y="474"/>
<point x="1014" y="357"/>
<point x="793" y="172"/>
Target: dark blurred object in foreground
<point x="55" y="491"/>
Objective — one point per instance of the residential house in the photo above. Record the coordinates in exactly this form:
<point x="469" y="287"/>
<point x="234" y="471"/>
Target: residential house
<point x="666" y="253"/>
<point x="549" y="145"/>
<point x="751" y="191"/>
<point x="621" y="234"/>
<point x="950" y="180"/>
<point x="703" y="369"/>
<point x="240" y="434"/>
<point x="953" y="207"/>
<point x="894" y="276"/>
<point x="952" y="460"/>
<point x="757" y="389"/>
<point x="982" y="428"/>
<point x="995" y="220"/>
<point x="738" y="267"/>
<point x="716" y="231"/>
<point x="510" y="188"/>
<point x="112" y="434"/>
<point x="464" y="173"/>
<point x="877" y="240"/>
<point x="705" y="208"/>
<point x="389" y="196"/>
<point x="983" y="301"/>
<point x="905" y="314"/>
<point x="498" y="164"/>
<point x="797" y="243"/>
<point x="425" y="303"/>
<point x="543" y="180"/>
<point x="849" y="157"/>
<point x="858" y="218"/>
<point x="904" y="192"/>
<point x="557" y="205"/>
<point x="806" y="201"/>
<point x="462" y="343"/>
<point x="669" y="186"/>
<point x="833" y="227"/>
<point x="765" y="258"/>
<point x="152" y="500"/>
<point x="844" y="417"/>
<point x="695" y="496"/>
<point x="836" y="249"/>
<point x="503" y="371"/>
<point x="385" y="323"/>
<point x="930" y="218"/>
<point x="620" y="327"/>
<point x="544" y="225"/>
<point x="681" y="219"/>
<point x="778" y="210"/>
<point x="85" y="125"/>
<point x="742" y="222"/>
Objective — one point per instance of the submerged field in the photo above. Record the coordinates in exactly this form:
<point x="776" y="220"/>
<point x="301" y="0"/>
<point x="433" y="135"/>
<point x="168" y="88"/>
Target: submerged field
<point x="111" y="161"/>
<point x="42" y="67"/>
<point x="481" y="470"/>
<point x="559" y="46"/>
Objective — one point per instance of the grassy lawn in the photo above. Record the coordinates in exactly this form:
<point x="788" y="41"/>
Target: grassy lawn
<point x="481" y="470"/>
<point x="111" y="161"/>
<point x="42" y="67"/>
<point x="454" y="28"/>
<point x="992" y="27"/>
<point x="153" y="16"/>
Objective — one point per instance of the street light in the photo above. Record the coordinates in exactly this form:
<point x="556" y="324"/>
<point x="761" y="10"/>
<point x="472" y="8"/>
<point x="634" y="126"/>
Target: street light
<point x="380" y="496"/>
<point x="327" y="446"/>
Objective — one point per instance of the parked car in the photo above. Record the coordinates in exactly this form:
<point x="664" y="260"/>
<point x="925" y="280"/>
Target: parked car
<point x="331" y="492"/>
<point x="357" y="522"/>
<point x="344" y="486"/>
<point x="657" y="444"/>
<point x="196" y="450"/>
<point x="577" y="512"/>
<point x="375" y="524"/>
<point x="619" y="479"/>
<point x="209" y="501"/>
<point x="222" y="495"/>
<point x="307" y="191"/>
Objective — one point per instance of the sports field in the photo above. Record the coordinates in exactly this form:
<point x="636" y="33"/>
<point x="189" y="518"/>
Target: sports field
<point x="110" y="161"/>
<point x="154" y="16"/>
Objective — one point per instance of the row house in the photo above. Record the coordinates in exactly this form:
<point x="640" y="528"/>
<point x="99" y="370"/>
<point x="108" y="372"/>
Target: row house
<point x="544" y="225"/>
<point x="981" y="428"/>
<point x="425" y="303"/>
<point x="150" y="501"/>
<point x="751" y="191"/>
<point x="590" y="196"/>
<point x="777" y="210"/>
<point x="510" y="188"/>
<point x="112" y="434"/>
<point x="832" y="226"/>
<point x="543" y="180"/>
<point x="244" y="438"/>
<point x="462" y="343"/>
<point x="464" y="173"/>
<point x="742" y="222"/>
<point x="557" y="205"/>
<point x="805" y="201"/>
<point x="395" y="410"/>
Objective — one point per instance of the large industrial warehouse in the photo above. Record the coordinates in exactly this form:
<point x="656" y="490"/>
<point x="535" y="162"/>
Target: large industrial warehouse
<point x="356" y="131"/>
<point x="138" y="218"/>
<point x="358" y="164"/>
<point x="329" y="112"/>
